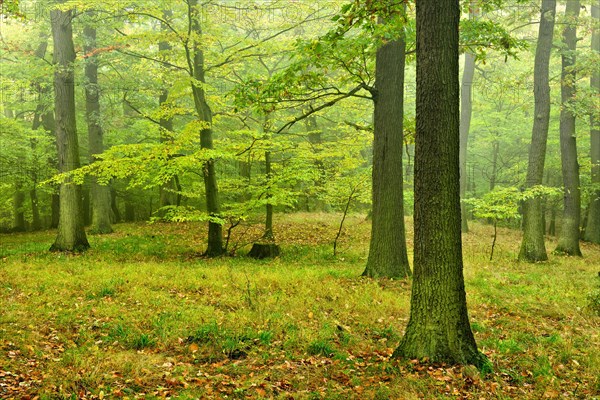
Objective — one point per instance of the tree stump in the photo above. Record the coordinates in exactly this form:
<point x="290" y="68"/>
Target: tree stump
<point x="264" y="250"/>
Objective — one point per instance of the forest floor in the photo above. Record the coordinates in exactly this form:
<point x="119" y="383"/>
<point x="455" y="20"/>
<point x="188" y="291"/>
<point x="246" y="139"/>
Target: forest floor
<point x="143" y="315"/>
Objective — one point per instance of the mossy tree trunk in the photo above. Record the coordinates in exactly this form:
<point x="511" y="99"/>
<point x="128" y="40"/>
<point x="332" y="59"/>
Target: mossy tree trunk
<point x="196" y="69"/>
<point x="533" y="248"/>
<point x="438" y="328"/>
<point x="568" y="241"/>
<point x="71" y="235"/>
<point x="387" y="249"/>
<point x="100" y="194"/>
<point x="592" y="231"/>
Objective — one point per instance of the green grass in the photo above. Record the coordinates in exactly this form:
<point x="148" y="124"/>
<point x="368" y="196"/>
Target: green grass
<point x="141" y="315"/>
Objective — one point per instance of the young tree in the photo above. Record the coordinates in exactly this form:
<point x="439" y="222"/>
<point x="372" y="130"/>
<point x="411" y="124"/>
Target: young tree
<point x="439" y="326"/>
<point x="532" y="247"/>
<point x="592" y="232"/>
<point x="100" y="194"/>
<point x="568" y="242"/>
<point x="387" y="251"/>
<point x="195" y="59"/>
<point x="71" y="235"/>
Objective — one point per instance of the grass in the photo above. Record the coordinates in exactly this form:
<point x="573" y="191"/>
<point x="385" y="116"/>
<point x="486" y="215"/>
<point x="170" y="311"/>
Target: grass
<point x="141" y="315"/>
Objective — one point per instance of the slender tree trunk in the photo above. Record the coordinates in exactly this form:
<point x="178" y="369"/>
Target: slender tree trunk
<point x="100" y="194"/>
<point x="169" y="190"/>
<point x="114" y="206"/>
<point x="466" y="108"/>
<point x="18" y="208"/>
<point x="532" y="247"/>
<point x="592" y="231"/>
<point x="36" y="222"/>
<point x="439" y="327"/>
<point x="494" y="175"/>
<point x="315" y="139"/>
<point x="215" y="229"/>
<point x="268" y="235"/>
<point x="568" y="242"/>
<point x="71" y="235"/>
<point x="387" y="250"/>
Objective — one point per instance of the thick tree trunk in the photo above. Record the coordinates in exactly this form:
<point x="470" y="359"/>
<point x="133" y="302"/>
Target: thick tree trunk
<point x="592" y="231"/>
<point x="532" y="247"/>
<point x="71" y="235"/>
<point x="100" y="194"/>
<point x="387" y="250"/>
<point x="439" y="327"/>
<point x="215" y="230"/>
<point x="466" y="108"/>
<point x="568" y="241"/>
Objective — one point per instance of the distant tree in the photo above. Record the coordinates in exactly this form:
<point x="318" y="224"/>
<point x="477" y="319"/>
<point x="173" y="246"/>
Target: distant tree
<point x="439" y="327"/>
<point x="100" y="194"/>
<point x="71" y="235"/>
<point x="568" y="242"/>
<point x="466" y="109"/>
<point x="532" y="247"/>
<point x="592" y="232"/>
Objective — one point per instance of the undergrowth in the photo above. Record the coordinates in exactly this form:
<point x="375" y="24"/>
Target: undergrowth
<point x="142" y="315"/>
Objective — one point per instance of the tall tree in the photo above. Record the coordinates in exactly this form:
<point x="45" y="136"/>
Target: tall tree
<point x="169" y="190"/>
<point x="71" y="235"/>
<point x="439" y="326"/>
<point x="100" y="194"/>
<point x="196" y="69"/>
<point x="466" y="108"/>
<point x="532" y="247"/>
<point x="387" y="250"/>
<point x="592" y="231"/>
<point x="568" y="242"/>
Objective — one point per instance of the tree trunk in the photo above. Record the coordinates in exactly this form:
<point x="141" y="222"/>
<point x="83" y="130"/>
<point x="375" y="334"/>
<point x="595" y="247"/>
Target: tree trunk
<point x="592" y="231"/>
<point x="100" y="194"/>
<point x="532" y="247"/>
<point x="439" y="327"/>
<point x="269" y="209"/>
<point x="36" y="221"/>
<point x="568" y="241"/>
<point x="40" y="111"/>
<point x="169" y="191"/>
<point x="18" y="208"/>
<point x="387" y="249"/>
<point x="466" y="108"/>
<point x="71" y="235"/>
<point x="215" y="229"/>
<point x="114" y="206"/>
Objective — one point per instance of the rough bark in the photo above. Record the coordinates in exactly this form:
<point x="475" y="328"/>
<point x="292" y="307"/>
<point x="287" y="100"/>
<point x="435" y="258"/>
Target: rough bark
<point x="466" y="108"/>
<point x="387" y="249"/>
<point x="568" y="241"/>
<point x="438" y="328"/>
<point x="100" y="194"/>
<point x="196" y="61"/>
<point x="533" y="248"/>
<point x="71" y="235"/>
<point x="592" y="231"/>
